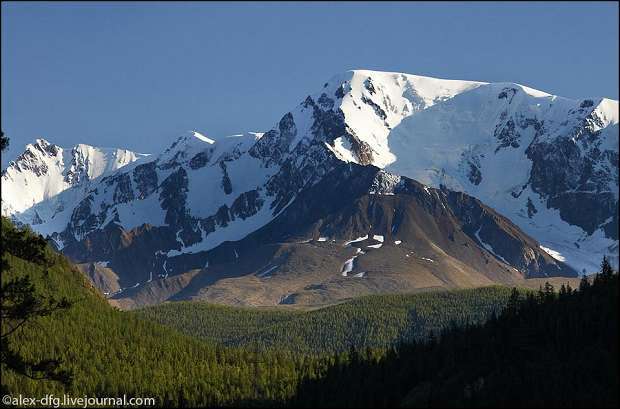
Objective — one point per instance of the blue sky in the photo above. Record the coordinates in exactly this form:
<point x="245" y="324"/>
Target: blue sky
<point x="138" y="75"/>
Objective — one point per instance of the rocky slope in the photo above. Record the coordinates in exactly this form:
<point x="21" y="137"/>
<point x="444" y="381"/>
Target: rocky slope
<point x="222" y="219"/>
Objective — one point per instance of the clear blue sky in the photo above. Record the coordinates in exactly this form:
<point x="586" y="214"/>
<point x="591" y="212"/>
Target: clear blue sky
<point x="138" y="75"/>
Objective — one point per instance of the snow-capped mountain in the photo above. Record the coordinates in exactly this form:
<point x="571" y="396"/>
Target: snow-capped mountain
<point x="548" y="163"/>
<point x="44" y="170"/>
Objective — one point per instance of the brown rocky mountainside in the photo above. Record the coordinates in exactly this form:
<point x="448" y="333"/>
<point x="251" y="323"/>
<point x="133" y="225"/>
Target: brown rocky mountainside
<point x="358" y="231"/>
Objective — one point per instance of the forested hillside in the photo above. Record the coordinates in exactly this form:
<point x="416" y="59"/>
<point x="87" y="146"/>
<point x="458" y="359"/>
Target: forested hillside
<point x="108" y="352"/>
<point x="372" y="321"/>
<point x="544" y="350"/>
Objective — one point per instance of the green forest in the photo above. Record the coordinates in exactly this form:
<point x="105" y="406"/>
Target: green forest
<point x="372" y="321"/>
<point x="485" y="347"/>
<point x="549" y="349"/>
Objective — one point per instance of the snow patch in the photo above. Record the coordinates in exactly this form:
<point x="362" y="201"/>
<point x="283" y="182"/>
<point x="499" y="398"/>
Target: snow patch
<point x="555" y="254"/>
<point x="348" y="243"/>
<point x="266" y="273"/>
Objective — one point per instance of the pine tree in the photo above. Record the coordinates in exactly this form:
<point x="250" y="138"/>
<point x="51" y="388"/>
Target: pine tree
<point x="20" y="303"/>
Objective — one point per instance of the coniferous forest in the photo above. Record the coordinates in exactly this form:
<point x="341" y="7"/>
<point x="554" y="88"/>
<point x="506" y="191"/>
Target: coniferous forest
<point x="512" y="347"/>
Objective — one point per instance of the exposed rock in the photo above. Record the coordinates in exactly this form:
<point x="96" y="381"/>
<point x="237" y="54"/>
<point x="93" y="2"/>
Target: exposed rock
<point x="226" y="184"/>
<point x="145" y="178"/>
<point x="200" y="160"/>
<point x="246" y="205"/>
<point x="173" y="195"/>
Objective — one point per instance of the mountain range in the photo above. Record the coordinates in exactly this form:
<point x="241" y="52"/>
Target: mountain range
<point x="377" y="183"/>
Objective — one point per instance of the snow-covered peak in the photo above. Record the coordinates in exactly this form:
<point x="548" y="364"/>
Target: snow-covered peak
<point x="607" y="110"/>
<point x="495" y="141"/>
<point x="199" y="150"/>
<point x="94" y="161"/>
<point x="44" y="170"/>
<point x="371" y="104"/>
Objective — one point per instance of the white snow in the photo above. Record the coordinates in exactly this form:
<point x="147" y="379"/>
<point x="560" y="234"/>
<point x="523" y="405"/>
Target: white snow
<point x="203" y="138"/>
<point x="378" y="238"/>
<point x="555" y="254"/>
<point x="375" y="246"/>
<point x="322" y="239"/>
<point x="348" y="266"/>
<point x="348" y="243"/>
<point x="397" y="242"/>
<point x="342" y="149"/>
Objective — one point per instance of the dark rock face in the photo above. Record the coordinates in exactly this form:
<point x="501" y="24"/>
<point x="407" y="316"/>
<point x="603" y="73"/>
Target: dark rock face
<point x="586" y="103"/>
<point x="556" y="167"/>
<point x="325" y="102"/>
<point x="378" y="110"/>
<point x="226" y="184"/>
<point x="575" y="178"/>
<point x="340" y="92"/>
<point x="222" y="216"/>
<point x="275" y="144"/>
<point x="246" y="205"/>
<point x="83" y="218"/>
<point x="587" y="210"/>
<point x="200" y="160"/>
<point x="327" y="125"/>
<point x="173" y="195"/>
<point x="508" y="94"/>
<point x="145" y="178"/>
<point x="292" y="177"/>
<point x="531" y="209"/>
<point x="123" y="191"/>
<point x="28" y="161"/>
<point x="474" y="174"/>
<point x="362" y="150"/>
<point x="507" y="132"/>
<point x="370" y="86"/>
<point x="507" y="136"/>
